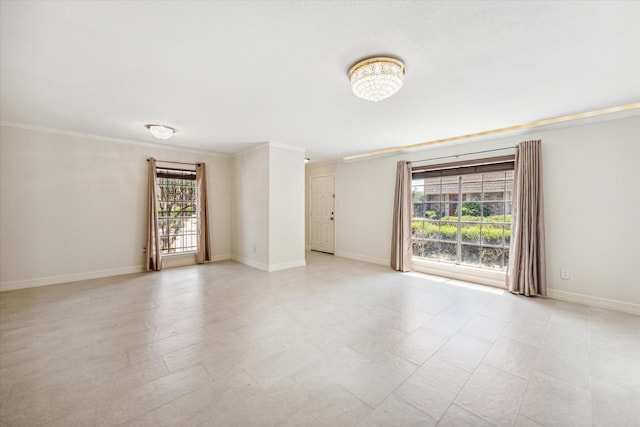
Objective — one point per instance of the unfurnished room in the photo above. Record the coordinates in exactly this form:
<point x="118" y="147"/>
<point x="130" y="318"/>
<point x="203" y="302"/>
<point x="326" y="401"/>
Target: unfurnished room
<point x="319" y="213"/>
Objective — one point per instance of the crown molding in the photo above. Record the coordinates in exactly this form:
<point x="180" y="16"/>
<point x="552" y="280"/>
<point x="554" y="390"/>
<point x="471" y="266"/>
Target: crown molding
<point x="605" y="114"/>
<point x="110" y="139"/>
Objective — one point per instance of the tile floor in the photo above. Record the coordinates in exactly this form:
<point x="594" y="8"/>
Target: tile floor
<point x="336" y="343"/>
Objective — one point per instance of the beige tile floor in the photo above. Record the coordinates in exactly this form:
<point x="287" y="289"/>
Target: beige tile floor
<point x="336" y="343"/>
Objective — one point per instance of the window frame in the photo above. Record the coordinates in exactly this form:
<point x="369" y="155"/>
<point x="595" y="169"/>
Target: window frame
<point x="477" y="166"/>
<point x="181" y="174"/>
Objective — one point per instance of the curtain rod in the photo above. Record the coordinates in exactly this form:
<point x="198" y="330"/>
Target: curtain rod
<point x="177" y="163"/>
<point x="463" y="154"/>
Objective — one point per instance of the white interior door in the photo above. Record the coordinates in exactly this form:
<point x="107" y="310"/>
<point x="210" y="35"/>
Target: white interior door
<point x="322" y="213"/>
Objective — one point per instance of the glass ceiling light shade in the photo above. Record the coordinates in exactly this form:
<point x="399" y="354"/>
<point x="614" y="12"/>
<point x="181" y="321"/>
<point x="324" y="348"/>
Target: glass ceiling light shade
<point x="160" y="131"/>
<point x="375" y="79"/>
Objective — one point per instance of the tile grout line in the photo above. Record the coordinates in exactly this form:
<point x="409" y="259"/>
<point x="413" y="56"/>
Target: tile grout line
<point x="524" y="394"/>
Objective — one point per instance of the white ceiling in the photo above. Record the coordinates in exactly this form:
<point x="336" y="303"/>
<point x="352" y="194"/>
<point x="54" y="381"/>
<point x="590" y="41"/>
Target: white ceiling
<point x="229" y="75"/>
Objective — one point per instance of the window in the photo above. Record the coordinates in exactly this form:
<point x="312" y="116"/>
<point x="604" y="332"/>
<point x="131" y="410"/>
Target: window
<point x="462" y="213"/>
<point x="177" y="213"/>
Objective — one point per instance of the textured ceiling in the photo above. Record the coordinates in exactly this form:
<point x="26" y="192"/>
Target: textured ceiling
<point x="229" y="75"/>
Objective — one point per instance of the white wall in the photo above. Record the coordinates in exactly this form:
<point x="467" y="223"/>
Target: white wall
<point x="250" y="207"/>
<point x="592" y="208"/>
<point x="268" y="207"/>
<point x="286" y="208"/>
<point x="365" y="202"/>
<point x="74" y="207"/>
<point x="592" y="198"/>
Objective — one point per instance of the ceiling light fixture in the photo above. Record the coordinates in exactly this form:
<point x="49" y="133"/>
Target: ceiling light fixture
<point x="307" y="160"/>
<point x="375" y="79"/>
<point x="161" y="131"/>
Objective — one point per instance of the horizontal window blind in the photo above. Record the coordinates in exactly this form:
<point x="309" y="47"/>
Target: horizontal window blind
<point x="176" y="173"/>
<point x="493" y="164"/>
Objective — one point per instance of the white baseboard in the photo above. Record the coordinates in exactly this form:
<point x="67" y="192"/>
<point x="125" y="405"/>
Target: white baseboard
<point x="64" y="278"/>
<point x="626" y="307"/>
<point x="287" y="265"/>
<point x="250" y="262"/>
<point x="75" y="277"/>
<point x="269" y="267"/>
<point x="364" y="258"/>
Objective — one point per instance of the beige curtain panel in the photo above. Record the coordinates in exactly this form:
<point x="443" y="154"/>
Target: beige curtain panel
<point x="401" y="252"/>
<point x="153" y="261"/>
<point x="204" y="244"/>
<point x="526" y="272"/>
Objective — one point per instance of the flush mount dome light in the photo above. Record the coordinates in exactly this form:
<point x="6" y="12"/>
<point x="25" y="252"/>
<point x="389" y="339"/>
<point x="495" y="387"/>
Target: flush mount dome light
<point x="375" y="79"/>
<point x="161" y="131"/>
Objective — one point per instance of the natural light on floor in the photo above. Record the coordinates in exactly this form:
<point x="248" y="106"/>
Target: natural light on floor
<point x="459" y="283"/>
